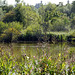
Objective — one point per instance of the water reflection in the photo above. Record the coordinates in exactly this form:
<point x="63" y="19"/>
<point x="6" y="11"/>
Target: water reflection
<point x="36" y="49"/>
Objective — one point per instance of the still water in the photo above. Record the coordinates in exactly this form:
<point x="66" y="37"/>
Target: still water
<point x="36" y="49"/>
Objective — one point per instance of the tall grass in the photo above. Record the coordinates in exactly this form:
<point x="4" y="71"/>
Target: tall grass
<point x="63" y="64"/>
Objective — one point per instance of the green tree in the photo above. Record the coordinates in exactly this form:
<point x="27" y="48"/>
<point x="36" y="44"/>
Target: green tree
<point x="22" y="13"/>
<point x="58" y="25"/>
<point x="49" y="14"/>
<point x="49" y="11"/>
<point x="72" y="15"/>
<point x="25" y="15"/>
<point x="12" y="32"/>
<point x="6" y="8"/>
<point x="9" y="17"/>
<point x="1" y="13"/>
<point x="33" y="8"/>
<point x="17" y="25"/>
<point x="73" y="23"/>
<point x="32" y="32"/>
<point x="73" y="7"/>
<point x="66" y="9"/>
<point x="61" y="24"/>
<point x="3" y="26"/>
<point x="41" y="12"/>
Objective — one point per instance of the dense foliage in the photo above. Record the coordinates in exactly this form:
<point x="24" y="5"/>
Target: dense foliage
<point x="28" y="21"/>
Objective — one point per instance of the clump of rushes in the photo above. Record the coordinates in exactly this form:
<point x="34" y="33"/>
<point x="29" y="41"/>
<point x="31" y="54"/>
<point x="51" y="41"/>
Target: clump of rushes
<point x="33" y="66"/>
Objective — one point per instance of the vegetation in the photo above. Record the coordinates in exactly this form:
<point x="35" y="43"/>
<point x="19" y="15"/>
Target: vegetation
<point x="28" y="21"/>
<point x="61" y="63"/>
<point x="49" y="23"/>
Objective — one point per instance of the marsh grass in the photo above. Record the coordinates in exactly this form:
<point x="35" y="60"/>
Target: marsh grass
<point x="45" y="64"/>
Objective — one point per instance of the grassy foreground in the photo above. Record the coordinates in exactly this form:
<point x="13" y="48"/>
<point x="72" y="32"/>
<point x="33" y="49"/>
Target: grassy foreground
<point x="63" y="64"/>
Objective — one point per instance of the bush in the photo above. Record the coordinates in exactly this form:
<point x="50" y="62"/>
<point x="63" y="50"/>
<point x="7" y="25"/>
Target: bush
<point x="12" y="32"/>
<point x="32" y="31"/>
<point x="3" y="26"/>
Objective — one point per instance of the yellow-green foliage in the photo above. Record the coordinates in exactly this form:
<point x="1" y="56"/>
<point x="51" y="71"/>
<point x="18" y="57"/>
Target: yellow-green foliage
<point x="12" y="31"/>
<point x="72" y="33"/>
<point x="17" y="25"/>
<point x="32" y="30"/>
<point x="3" y="26"/>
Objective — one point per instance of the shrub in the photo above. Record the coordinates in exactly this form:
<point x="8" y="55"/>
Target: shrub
<point x="3" y="26"/>
<point x="32" y="31"/>
<point x="10" y="34"/>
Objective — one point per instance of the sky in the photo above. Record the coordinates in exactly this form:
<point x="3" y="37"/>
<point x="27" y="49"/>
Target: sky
<point x="33" y="2"/>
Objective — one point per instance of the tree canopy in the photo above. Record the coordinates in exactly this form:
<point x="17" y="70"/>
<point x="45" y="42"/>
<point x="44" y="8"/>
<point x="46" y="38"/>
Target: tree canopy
<point x="28" y="20"/>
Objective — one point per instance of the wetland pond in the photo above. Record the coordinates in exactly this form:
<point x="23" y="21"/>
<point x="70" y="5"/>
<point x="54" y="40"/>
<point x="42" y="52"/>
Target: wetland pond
<point x="36" y="49"/>
<point x="37" y="59"/>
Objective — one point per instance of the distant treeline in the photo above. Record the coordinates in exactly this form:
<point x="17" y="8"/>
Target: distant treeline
<point x="26" y="23"/>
